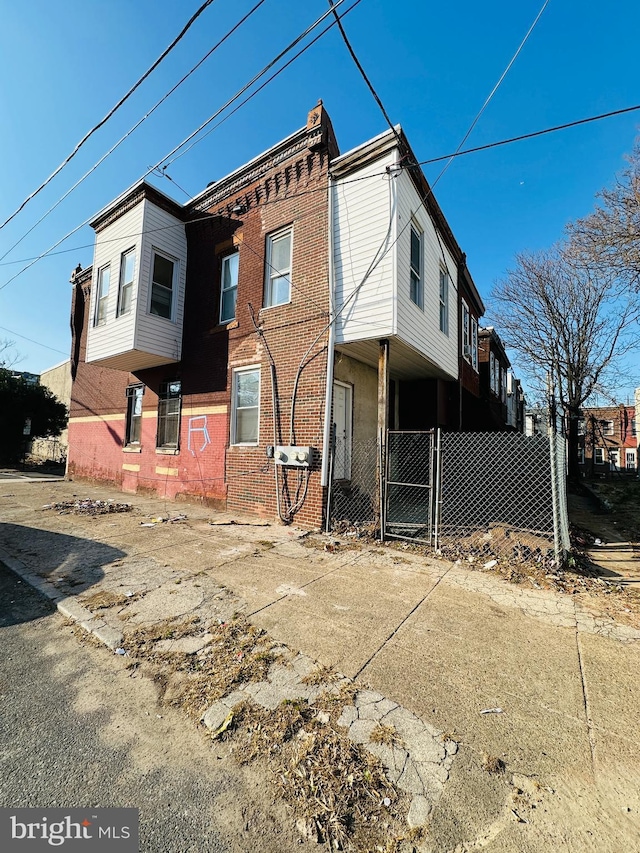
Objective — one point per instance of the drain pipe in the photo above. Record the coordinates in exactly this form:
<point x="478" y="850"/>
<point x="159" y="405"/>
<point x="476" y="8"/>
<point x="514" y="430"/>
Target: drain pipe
<point x="328" y="400"/>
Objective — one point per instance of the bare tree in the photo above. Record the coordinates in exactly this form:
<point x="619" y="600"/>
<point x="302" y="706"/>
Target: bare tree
<point x="610" y="236"/>
<point x="8" y="354"/>
<point x="569" y="319"/>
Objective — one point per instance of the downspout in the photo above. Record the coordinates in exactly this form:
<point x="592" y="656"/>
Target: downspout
<point x="328" y="400"/>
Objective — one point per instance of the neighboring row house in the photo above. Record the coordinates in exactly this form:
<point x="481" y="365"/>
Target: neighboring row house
<point x="608" y="441"/>
<point x="218" y="345"/>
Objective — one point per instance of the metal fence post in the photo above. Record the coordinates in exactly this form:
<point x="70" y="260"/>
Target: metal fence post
<point x="332" y="454"/>
<point x="438" y="490"/>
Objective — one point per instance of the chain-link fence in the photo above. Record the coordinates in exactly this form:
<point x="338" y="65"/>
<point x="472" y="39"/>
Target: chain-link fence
<point x="502" y="495"/>
<point x="470" y="495"/>
<point x="409" y="488"/>
<point x="353" y="493"/>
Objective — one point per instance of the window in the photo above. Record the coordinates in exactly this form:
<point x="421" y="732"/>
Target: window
<point x="633" y="427"/>
<point x="599" y="456"/>
<point x="581" y="455"/>
<point x="169" y="400"/>
<point x="415" y="267"/>
<point x="466" y="336"/>
<point x="474" y="343"/>
<point x="229" y="288"/>
<point x="102" y="294"/>
<point x="492" y="372"/>
<point x="503" y="384"/>
<point x="134" y="414"/>
<point x="607" y="427"/>
<point x="162" y="286"/>
<point x="245" y="406"/>
<point x="444" y="301"/>
<point x="630" y="460"/>
<point x="278" y="273"/>
<point x="127" y="266"/>
<point x="581" y="426"/>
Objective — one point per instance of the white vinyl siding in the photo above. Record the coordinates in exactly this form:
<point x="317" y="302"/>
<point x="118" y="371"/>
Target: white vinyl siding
<point x="136" y="339"/>
<point x="361" y="218"/>
<point x="421" y="329"/>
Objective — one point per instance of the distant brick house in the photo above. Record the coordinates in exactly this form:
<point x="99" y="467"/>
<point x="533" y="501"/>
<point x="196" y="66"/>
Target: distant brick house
<point x="218" y="345"/>
<point x="608" y="442"/>
<point x="501" y="401"/>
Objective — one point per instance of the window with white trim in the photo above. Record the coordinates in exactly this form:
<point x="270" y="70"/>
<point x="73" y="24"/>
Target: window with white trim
<point x="492" y="372"/>
<point x="474" y="343"/>
<point x="133" y="425"/>
<point x="277" y="288"/>
<point x="581" y="426"/>
<point x="125" y="288"/>
<point x="102" y="295"/>
<point x="581" y="455"/>
<point x="245" y="406"/>
<point x="229" y="287"/>
<point x="162" y="285"/>
<point x="416" y="289"/>
<point x="599" y="456"/>
<point x="607" y="427"/>
<point x="466" y="331"/>
<point x="169" y="404"/>
<point x="444" y="301"/>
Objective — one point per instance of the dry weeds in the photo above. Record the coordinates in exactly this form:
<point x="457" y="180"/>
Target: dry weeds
<point x="387" y="735"/>
<point x="105" y="598"/>
<point x="337" y="787"/>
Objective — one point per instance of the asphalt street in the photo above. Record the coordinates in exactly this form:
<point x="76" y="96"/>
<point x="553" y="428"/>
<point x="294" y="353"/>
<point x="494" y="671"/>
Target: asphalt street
<point x="76" y="729"/>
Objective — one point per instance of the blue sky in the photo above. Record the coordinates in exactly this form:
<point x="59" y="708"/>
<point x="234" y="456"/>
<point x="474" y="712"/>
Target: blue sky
<point x="64" y="64"/>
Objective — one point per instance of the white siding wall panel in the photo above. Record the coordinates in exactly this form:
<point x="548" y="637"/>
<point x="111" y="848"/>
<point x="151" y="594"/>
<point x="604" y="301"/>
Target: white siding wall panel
<point x="117" y="334"/>
<point x="363" y="211"/>
<point x="146" y="227"/>
<point x="420" y="328"/>
<point x="163" y="232"/>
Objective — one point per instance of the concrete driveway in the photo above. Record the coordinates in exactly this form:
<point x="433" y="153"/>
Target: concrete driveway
<point x="540" y="688"/>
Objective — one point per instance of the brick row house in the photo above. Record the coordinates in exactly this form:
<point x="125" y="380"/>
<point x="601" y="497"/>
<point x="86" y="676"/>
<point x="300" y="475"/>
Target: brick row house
<point x="608" y="441"/>
<point x="219" y="345"/>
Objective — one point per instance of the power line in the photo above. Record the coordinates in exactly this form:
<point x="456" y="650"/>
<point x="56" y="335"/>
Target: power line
<point x="135" y="127"/>
<point x="190" y="137"/>
<point x="31" y="341"/>
<point x="530" y="135"/>
<point x="114" y="109"/>
<point x="494" y="90"/>
<point x="363" y="73"/>
<point x="323" y="188"/>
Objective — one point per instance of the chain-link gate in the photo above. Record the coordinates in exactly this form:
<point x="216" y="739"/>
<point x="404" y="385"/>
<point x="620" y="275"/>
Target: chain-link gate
<point x="409" y="500"/>
<point x="477" y="495"/>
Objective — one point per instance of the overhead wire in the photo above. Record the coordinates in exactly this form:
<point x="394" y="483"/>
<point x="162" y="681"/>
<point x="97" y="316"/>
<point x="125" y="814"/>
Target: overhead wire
<point x="427" y="162"/>
<point x="132" y="129"/>
<point x="191" y="135"/>
<point x="111" y="112"/>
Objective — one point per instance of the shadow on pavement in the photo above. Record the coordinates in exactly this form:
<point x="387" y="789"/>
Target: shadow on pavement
<point x="72" y="564"/>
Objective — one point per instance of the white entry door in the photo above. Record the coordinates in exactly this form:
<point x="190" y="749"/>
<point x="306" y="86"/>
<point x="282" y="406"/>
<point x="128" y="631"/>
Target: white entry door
<point x="342" y="414"/>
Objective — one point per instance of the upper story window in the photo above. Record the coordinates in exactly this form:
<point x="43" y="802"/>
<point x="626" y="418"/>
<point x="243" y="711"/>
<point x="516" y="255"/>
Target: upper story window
<point x="492" y="372"/>
<point x="581" y="426"/>
<point x="133" y="426"/>
<point x="444" y="301"/>
<point x="229" y="288"/>
<point x="634" y="430"/>
<point x="169" y="400"/>
<point x="415" y="275"/>
<point x="277" y="289"/>
<point x="245" y="406"/>
<point x="607" y="427"/>
<point x="474" y="343"/>
<point x="102" y="295"/>
<point x="162" y="286"/>
<point x="466" y="331"/>
<point x="127" y="268"/>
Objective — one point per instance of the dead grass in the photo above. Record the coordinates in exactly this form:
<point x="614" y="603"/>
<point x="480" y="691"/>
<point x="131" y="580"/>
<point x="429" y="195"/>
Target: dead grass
<point x="386" y="735"/>
<point x="322" y="675"/>
<point x="492" y="764"/>
<point x="336" y="786"/>
<point x="105" y="598"/>
<point x="237" y="653"/>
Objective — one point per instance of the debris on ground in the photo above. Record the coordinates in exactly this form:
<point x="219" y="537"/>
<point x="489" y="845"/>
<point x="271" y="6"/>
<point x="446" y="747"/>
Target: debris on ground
<point x="88" y="507"/>
<point x="492" y="711"/>
<point x="240" y="523"/>
<point x="171" y="519"/>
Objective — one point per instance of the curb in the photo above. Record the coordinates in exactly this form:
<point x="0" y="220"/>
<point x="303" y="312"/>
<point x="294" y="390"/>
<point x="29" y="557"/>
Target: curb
<point x="69" y="607"/>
